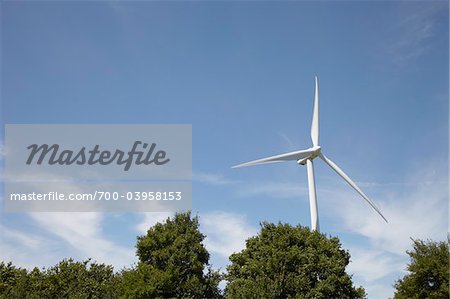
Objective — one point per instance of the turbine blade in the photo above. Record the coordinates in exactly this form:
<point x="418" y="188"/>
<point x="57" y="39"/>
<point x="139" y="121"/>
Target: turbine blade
<point x="297" y="155"/>
<point x="315" y="119"/>
<point x="351" y="183"/>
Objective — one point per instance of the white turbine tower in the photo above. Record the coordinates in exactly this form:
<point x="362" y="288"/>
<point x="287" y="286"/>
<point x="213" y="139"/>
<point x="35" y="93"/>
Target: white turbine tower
<point x="306" y="157"/>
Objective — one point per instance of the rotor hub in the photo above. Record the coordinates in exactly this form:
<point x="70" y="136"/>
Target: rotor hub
<point x="316" y="152"/>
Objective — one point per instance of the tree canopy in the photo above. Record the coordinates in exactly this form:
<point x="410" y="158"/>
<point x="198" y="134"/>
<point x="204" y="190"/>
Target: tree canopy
<point x="428" y="275"/>
<point x="283" y="261"/>
<point x="173" y="262"/>
<point x="67" y="279"/>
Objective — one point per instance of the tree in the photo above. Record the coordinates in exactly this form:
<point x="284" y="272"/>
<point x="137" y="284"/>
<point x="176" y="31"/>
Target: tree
<point x="67" y="279"/>
<point x="13" y="281"/>
<point x="429" y="272"/>
<point x="172" y="263"/>
<point x="86" y="279"/>
<point x="290" y="262"/>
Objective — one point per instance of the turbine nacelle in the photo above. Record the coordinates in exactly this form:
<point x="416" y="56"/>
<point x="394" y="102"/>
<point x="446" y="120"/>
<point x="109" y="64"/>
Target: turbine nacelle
<point x="315" y="152"/>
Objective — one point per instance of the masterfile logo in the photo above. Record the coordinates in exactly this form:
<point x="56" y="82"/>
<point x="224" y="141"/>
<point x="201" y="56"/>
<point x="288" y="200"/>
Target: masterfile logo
<point x="98" y="168"/>
<point x="53" y="155"/>
<point x="98" y="151"/>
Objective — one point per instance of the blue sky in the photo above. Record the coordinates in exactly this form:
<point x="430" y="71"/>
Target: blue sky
<point x="242" y="73"/>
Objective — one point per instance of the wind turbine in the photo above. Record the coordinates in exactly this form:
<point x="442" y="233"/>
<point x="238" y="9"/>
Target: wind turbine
<point x="306" y="157"/>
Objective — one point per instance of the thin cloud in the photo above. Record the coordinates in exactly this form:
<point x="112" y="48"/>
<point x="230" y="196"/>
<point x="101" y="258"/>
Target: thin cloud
<point x="78" y="235"/>
<point x="212" y="179"/>
<point x="419" y="213"/>
<point x="226" y="232"/>
<point x="362" y="257"/>
<point x="288" y="142"/>
<point x="150" y="219"/>
<point x="82" y="232"/>
<point x="2" y="151"/>
<point x="272" y="189"/>
<point x="417" y="209"/>
<point x="411" y="38"/>
<point x="72" y="234"/>
<point x="30" y="241"/>
<point x="16" y="246"/>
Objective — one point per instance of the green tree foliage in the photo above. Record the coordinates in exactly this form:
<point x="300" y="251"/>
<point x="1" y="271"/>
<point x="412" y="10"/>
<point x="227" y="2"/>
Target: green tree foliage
<point x="68" y="279"/>
<point x="172" y="263"/>
<point x="290" y="262"/>
<point x="13" y="281"/>
<point x="429" y="272"/>
<point x="79" y="280"/>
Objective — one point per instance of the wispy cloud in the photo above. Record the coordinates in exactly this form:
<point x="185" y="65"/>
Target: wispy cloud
<point x="420" y="212"/>
<point x="212" y="179"/>
<point x="71" y="234"/>
<point x="150" y="219"/>
<point x="363" y="264"/>
<point x="272" y="189"/>
<point x="82" y="232"/>
<point x="23" y="239"/>
<point x="61" y="235"/>
<point x="288" y="141"/>
<point x="226" y="232"/>
<point x="2" y="151"/>
<point x="16" y="245"/>
<point x="416" y="209"/>
<point x="411" y="38"/>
